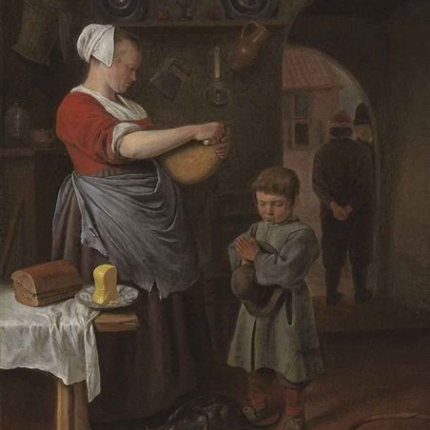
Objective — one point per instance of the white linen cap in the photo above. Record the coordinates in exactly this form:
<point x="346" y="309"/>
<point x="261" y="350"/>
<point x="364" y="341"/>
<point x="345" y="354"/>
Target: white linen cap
<point x="97" y="41"/>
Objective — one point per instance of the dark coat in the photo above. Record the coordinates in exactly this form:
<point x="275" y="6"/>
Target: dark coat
<point x="343" y="172"/>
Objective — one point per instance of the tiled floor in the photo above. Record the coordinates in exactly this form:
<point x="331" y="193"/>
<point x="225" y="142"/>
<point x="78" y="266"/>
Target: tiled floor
<point x="367" y="373"/>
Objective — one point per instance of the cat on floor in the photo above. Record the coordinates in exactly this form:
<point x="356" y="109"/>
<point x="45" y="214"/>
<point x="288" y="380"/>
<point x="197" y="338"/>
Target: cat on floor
<point x="208" y="412"/>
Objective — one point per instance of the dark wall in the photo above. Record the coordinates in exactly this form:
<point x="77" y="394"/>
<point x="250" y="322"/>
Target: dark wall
<point x="390" y="58"/>
<point x="28" y="176"/>
<point x="256" y="135"/>
<point x="409" y="158"/>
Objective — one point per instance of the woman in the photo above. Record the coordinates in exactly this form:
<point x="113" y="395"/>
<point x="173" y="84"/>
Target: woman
<point x="120" y="206"/>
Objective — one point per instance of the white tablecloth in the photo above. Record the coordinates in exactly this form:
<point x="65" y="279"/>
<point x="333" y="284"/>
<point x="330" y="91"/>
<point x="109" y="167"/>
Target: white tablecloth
<point x="57" y="338"/>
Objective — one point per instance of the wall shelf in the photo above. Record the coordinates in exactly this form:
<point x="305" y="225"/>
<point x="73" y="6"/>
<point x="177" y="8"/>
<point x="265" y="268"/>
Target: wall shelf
<point x="198" y="24"/>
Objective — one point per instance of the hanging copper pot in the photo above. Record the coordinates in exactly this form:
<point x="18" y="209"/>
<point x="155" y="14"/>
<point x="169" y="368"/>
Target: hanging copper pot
<point x="246" y="49"/>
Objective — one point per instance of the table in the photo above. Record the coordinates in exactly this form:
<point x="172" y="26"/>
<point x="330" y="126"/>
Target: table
<point x="71" y="400"/>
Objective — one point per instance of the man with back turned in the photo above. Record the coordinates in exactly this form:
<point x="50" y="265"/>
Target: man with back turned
<point x="342" y="179"/>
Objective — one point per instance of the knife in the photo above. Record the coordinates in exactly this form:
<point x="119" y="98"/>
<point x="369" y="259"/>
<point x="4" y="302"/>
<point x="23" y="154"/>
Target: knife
<point x="226" y="127"/>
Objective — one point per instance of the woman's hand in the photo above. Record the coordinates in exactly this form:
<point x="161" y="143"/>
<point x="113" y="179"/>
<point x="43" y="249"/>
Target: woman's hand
<point x="212" y="132"/>
<point x="222" y="148"/>
<point x="221" y="141"/>
<point x="246" y="248"/>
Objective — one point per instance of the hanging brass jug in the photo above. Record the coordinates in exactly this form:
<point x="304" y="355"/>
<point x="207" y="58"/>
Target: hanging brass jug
<point x="246" y="50"/>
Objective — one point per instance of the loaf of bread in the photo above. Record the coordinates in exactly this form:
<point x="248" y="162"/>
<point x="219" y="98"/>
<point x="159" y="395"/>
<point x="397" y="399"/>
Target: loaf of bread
<point x="46" y="283"/>
<point x="106" y="289"/>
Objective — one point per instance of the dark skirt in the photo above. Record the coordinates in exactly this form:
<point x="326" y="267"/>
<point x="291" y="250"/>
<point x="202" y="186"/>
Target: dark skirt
<point x="145" y="371"/>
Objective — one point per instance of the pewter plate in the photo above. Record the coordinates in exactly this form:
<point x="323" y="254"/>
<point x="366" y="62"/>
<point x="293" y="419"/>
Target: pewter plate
<point x="127" y="296"/>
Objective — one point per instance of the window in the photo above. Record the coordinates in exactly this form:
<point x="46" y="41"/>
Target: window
<point x="301" y="105"/>
<point x="300" y="121"/>
<point x="301" y="134"/>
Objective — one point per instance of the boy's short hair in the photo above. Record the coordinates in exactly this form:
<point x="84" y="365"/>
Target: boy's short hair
<point x="278" y="180"/>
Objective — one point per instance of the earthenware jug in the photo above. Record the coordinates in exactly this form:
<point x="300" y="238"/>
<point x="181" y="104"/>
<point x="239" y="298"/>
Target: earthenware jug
<point x="17" y="125"/>
<point x="246" y="49"/>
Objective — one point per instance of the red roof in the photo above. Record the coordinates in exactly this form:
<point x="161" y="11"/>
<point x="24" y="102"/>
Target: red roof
<point x="304" y="70"/>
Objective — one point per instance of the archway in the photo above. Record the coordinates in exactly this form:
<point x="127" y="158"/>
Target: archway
<point x="315" y="86"/>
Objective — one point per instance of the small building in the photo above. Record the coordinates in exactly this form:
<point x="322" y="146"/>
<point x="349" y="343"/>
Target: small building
<point x="311" y="94"/>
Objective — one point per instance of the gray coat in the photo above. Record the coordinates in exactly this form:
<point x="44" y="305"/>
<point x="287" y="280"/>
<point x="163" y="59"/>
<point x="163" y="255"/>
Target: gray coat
<point x="285" y="343"/>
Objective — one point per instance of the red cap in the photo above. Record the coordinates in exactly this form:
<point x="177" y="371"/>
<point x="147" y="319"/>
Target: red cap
<point x="341" y="119"/>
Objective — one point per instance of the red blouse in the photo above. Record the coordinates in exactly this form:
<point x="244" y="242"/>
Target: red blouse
<point x="86" y="128"/>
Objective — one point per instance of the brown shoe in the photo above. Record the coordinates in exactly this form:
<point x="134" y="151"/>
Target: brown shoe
<point x="297" y="422"/>
<point x="261" y="418"/>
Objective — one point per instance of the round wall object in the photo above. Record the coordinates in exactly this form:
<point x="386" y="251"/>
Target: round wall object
<point x="121" y="10"/>
<point x="250" y="9"/>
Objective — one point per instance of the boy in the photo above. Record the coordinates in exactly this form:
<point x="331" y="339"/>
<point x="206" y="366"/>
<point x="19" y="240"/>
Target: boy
<point x="275" y="333"/>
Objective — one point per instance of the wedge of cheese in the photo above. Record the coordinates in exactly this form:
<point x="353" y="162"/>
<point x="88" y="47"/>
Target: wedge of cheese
<point x="105" y="279"/>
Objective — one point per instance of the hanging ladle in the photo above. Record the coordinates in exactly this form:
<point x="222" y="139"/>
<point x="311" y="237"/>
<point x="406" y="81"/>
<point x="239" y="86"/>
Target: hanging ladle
<point x="217" y="92"/>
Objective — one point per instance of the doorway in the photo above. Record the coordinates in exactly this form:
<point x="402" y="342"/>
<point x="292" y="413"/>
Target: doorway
<point x="315" y="87"/>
